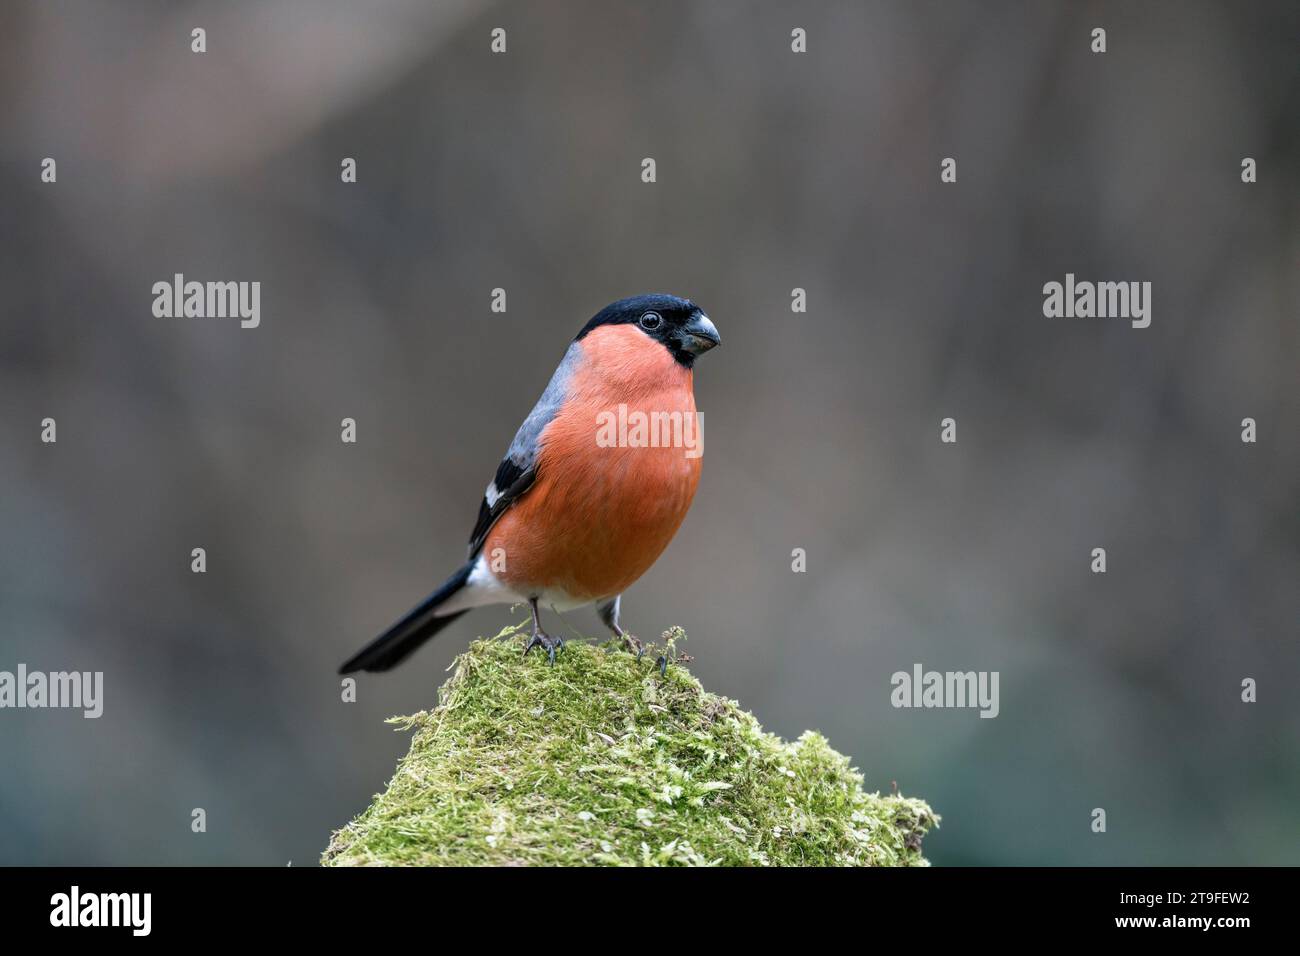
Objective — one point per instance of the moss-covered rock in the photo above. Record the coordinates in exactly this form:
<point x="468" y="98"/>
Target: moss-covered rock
<point x="600" y="760"/>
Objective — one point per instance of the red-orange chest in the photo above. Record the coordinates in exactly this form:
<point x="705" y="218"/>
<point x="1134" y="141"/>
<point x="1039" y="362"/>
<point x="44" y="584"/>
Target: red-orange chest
<point x="617" y="471"/>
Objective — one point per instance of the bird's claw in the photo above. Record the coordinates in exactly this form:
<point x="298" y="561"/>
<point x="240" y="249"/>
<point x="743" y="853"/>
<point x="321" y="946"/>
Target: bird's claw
<point x="543" y="640"/>
<point x="639" y="647"/>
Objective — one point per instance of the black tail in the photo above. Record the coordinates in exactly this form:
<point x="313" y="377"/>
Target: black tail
<point x="396" y="644"/>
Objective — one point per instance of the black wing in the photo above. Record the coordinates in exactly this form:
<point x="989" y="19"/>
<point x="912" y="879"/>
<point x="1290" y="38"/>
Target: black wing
<point x="510" y="482"/>
<point x="518" y="469"/>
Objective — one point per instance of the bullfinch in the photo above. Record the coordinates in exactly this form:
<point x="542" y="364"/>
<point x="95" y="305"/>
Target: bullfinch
<point x="594" y="485"/>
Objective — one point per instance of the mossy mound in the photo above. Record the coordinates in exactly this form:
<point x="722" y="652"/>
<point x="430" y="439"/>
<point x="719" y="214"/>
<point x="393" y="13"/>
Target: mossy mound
<point x="602" y="761"/>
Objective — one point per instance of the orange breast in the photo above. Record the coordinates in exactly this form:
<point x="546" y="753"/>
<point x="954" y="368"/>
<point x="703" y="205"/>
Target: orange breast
<point x="613" y="483"/>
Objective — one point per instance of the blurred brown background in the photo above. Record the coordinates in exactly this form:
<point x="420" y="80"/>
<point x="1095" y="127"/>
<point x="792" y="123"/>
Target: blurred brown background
<point x="775" y="171"/>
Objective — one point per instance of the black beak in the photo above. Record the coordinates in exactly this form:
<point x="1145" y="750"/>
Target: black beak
<point x="700" y="334"/>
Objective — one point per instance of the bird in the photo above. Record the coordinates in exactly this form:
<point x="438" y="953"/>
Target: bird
<point x="592" y="488"/>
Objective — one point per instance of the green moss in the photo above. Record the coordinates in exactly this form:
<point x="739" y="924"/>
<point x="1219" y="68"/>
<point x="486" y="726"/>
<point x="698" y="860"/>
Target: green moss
<point x="600" y="760"/>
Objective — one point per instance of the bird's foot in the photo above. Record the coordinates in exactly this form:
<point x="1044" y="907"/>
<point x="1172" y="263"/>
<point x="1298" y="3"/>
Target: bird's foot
<point x="632" y="644"/>
<point x="547" y="643"/>
<point x="639" y="648"/>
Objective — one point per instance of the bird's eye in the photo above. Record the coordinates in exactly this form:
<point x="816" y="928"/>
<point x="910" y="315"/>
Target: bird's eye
<point x="651" y="321"/>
